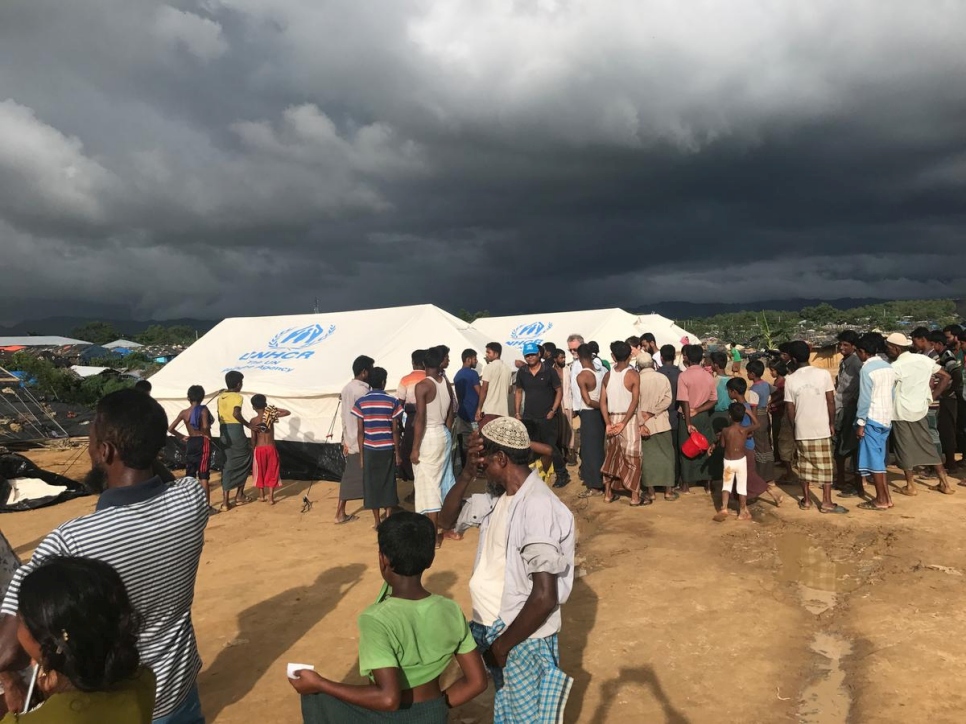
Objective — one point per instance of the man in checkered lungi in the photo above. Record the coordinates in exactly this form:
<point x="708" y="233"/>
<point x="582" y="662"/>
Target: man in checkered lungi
<point x="810" y="407"/>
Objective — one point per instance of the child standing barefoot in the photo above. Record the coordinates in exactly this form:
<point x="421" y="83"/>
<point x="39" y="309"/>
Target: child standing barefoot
<point x="733" y="438"/>
<point x="265" y="470"/>
<point x="197" y="420"/>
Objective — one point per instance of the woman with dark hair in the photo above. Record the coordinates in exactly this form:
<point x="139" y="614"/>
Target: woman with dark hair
<point x="77" y="624"/>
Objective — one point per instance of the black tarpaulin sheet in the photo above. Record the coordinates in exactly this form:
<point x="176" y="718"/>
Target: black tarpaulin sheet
<point x="13" y="466"/>
<point x="299" y="460"/>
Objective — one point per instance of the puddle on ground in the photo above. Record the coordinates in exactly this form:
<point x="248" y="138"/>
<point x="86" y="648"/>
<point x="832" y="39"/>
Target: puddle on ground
<point x="827" y="700"/>
<point x="818" y="577"/>
<point x="820" y="582"/>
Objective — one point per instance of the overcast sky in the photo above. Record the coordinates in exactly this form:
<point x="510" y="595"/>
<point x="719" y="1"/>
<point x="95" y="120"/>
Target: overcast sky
<point x="234" y="157"/>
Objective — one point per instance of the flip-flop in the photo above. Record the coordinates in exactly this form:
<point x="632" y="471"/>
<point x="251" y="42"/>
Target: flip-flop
<point x="938" y="489"/>
<point x="642" y="503"/>
<point x="590" y="493"/>
<point x="613" y="499"/>
<point x="347" y="519"/>
<point x="803" y="505"/>
<point x="848" y="493"/>
<point x="869" y="505"/>
<point x="837" y="510"/>
<point x="672" y="496"/>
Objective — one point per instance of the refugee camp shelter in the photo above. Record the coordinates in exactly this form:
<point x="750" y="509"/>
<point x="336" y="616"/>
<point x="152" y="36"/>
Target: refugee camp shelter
<point x="302" y="362"/>
<point x="23" y="418"/>
<point x="601" y="325"/>
<point x="122" y="344"/>
<point x="41" y="341"/>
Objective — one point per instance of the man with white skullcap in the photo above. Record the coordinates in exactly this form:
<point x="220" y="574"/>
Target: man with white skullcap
<point x="524" y="571"/>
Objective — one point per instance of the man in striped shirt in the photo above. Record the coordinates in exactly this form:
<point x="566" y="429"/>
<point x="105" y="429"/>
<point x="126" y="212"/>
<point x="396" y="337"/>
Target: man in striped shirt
<point x="378" y="430"/>
<point x="151" y="532"/>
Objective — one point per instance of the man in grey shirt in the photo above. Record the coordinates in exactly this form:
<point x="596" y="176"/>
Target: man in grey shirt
<point x="846" y="404"/>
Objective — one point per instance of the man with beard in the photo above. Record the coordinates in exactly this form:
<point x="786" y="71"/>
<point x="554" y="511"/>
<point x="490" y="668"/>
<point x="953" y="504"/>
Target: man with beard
<point x="524" y="572"/>
<point x="649" y="345"/>
<point x="151" y="532"/>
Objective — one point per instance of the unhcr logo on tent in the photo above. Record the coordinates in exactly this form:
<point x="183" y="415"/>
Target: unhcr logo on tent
<point x="530" y="332"/>
<point x="301" y="337"/>
<point x="291" y="343"/>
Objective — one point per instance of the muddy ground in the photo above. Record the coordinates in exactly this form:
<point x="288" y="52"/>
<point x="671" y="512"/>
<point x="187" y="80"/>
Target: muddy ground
<point x="795" y="617"/>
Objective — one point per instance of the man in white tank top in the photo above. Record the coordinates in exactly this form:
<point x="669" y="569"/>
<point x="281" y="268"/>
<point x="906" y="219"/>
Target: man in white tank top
<point x="618" y="405"/>
<point x="434" y="414"/>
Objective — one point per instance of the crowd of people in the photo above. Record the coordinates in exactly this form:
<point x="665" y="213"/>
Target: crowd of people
<point x="112" y="639"/>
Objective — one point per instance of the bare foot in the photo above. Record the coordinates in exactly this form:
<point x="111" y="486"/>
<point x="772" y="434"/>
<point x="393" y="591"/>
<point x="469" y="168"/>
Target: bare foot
<point x="271" y="502"/>
<point x="909" y="490"/>
<point x="721" y="516"/>
<point x="744" y="515"/>
<point x="942" y="488"/>
<point x="452" y="535"/>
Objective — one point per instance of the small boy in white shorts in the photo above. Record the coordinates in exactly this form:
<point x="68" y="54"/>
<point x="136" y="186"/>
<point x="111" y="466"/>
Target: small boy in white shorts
<point x="733" y="438"/>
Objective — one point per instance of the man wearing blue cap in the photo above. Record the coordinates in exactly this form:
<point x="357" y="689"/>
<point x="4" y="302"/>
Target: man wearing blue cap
<point x="537" y="403"/>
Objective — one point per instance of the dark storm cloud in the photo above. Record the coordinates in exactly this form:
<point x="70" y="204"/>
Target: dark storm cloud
<point x="507" y="156"/>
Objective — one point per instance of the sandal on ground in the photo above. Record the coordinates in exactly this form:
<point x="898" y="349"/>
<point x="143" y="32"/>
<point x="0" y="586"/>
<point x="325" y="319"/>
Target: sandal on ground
<point x="590" y="493"/>
<point x="671" y="496"/>
<point x="869" y="505"/>
<point x="834" y="510"/>
<point x="804" y="504"/>
<point x="347" y="519"/>
<point x="641" y="503"/>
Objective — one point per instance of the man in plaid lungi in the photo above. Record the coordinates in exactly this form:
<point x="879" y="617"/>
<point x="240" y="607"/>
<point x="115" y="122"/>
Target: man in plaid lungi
<point x="524" y="572"/>
<point x="810" y="407"/>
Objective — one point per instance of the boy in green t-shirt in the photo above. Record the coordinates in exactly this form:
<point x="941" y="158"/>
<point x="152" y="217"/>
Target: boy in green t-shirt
<point x="407" y="638"/>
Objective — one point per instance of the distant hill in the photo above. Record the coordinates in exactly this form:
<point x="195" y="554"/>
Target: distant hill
<point x="127" y="327"/>
<point x="687" y="310"/>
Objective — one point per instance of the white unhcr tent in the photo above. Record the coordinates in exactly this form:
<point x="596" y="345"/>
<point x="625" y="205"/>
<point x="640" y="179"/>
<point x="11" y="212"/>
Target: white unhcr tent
<point x="601" y="325"/>
<point x="302" y="362"/>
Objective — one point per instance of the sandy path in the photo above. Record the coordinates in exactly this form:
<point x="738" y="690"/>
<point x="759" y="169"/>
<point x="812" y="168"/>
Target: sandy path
<point x="674" y="618"/>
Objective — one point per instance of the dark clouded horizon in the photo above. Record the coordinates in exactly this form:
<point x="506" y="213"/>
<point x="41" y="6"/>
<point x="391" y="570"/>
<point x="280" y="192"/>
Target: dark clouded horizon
<point x="229" y="157"/>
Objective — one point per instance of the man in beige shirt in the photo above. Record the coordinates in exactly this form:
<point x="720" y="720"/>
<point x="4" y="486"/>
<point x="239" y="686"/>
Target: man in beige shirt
<point x="494" y="384"/>
<point x="657" y="444"/>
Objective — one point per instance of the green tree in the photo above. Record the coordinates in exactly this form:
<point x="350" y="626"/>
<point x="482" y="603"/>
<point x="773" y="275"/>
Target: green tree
<point x="175" y="334"/>
<point x="96" y="332"/>
<point x="470" y="317"/>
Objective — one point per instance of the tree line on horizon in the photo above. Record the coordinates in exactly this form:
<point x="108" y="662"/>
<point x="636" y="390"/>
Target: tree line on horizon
<point x="768" y="328"/>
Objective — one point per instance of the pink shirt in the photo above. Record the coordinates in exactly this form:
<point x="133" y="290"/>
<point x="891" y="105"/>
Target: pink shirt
<point x="696" y="386"/>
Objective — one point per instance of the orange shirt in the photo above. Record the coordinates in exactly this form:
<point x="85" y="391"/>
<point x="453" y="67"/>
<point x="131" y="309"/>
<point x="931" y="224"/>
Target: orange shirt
<point x="407" y="386"/>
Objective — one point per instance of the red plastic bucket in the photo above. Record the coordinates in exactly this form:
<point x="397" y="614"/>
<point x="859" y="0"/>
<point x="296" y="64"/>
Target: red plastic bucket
<point x="696" y="444"/>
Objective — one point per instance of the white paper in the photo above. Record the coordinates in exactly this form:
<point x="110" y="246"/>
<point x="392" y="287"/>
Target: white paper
<point x="292" y="668"/>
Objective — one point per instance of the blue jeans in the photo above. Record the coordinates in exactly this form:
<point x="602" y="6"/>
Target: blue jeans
<point x="188" y="712"/>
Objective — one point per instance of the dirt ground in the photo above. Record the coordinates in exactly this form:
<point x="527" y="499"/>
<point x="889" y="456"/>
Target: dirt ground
<point x="795" y="617"/>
